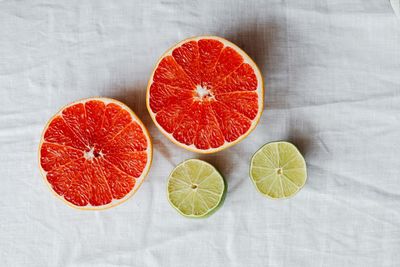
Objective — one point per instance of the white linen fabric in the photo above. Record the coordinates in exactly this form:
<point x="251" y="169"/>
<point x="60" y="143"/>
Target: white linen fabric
<point x="396" y="6"/>
<point x="332" y="77"/>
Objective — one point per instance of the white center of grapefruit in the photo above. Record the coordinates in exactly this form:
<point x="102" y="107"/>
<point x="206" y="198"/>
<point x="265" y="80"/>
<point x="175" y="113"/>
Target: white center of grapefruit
<point x="91" y="154"/>
<point x="202" y="92"/>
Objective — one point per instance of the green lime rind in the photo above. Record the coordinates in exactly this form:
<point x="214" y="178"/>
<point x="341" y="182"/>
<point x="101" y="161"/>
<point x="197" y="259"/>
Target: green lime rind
<point x="278" y="170"/>
<point x="203" y="200"/>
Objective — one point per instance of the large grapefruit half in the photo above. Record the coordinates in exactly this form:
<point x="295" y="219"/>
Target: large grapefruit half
<point x="95" y="153"/>
<point x="205" y="94"/>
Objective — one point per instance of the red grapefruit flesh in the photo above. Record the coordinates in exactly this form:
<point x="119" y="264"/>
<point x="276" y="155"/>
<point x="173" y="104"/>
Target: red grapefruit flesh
<point x="95" y="153"/>
<point x="205" y="94"/>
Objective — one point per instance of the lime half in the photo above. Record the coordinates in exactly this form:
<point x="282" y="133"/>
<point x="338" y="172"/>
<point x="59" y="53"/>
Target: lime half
<point x="278" y="170"/>
<point x="195" y="188"/>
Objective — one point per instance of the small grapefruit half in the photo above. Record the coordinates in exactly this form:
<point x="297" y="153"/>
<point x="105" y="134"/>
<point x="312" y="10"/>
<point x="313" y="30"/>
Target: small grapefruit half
<point x="95" y="153"/>
<point x="205" y="94"/>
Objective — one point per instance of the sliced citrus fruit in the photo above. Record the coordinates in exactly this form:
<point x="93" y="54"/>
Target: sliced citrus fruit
<point x="205" y="94"/>
<point x="278" y="170"/>
<point x="95" y="153"/>
<point x="195" y="188"/>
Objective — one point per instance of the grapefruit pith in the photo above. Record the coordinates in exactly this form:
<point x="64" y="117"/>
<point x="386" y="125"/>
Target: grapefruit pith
<point x="205" y="94"/>
<point x="95" y="153"/>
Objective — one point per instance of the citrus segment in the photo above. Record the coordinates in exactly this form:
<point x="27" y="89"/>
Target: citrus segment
<point x="170" y="73"/>
<point x="100" y="193"/>
<point x="120" y="183"/>
<point x="209" y="51"/>
<point x="94" y="119"/>
<point x="229" y="60"/>
<point x="278" y="170"/>
<point x="75" y="118"/>
<point x="242" y="102"/>
<point x="205" y="94"/>
<point x="195" y="188"/>
<point x="165" y="95"/>
<point x="242" y="79"/>
<point x="70" y="182"/>
<point x="232" y="124"/>
<point x="95" y="153"/>
<point x="209" y="135"/>
<point x="132" y="163"/>
<point x="55" y="155"/>
<point x="115" y="120"/>
<point x="169" y="116"/>
<point x="187" y="56"/>
<point x="130" y="139"/>
<point x="58" y="132"/>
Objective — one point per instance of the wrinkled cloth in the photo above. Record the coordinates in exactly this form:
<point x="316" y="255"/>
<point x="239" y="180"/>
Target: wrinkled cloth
<point x="396" y="6"/>
<point x="332" y="87"/>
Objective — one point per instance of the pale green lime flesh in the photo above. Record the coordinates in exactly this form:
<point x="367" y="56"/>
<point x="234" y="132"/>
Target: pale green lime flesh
<point x="278" y="170"/>
<point x="195" y="188"/>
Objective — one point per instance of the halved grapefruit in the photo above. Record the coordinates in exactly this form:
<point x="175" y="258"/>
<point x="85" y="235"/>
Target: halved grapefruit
<point x="205" y="94"/>
<point x="95" y="153"/>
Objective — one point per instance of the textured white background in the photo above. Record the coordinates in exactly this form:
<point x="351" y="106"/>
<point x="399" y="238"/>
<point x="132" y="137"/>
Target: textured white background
<point x="332" y="72"/>
<point x="396" y="6"/>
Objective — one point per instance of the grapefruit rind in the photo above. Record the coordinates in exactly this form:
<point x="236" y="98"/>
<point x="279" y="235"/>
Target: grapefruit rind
<point x="298" y="156"/>
<point x="138" y="181"/>
<point x="260" y="90"/>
